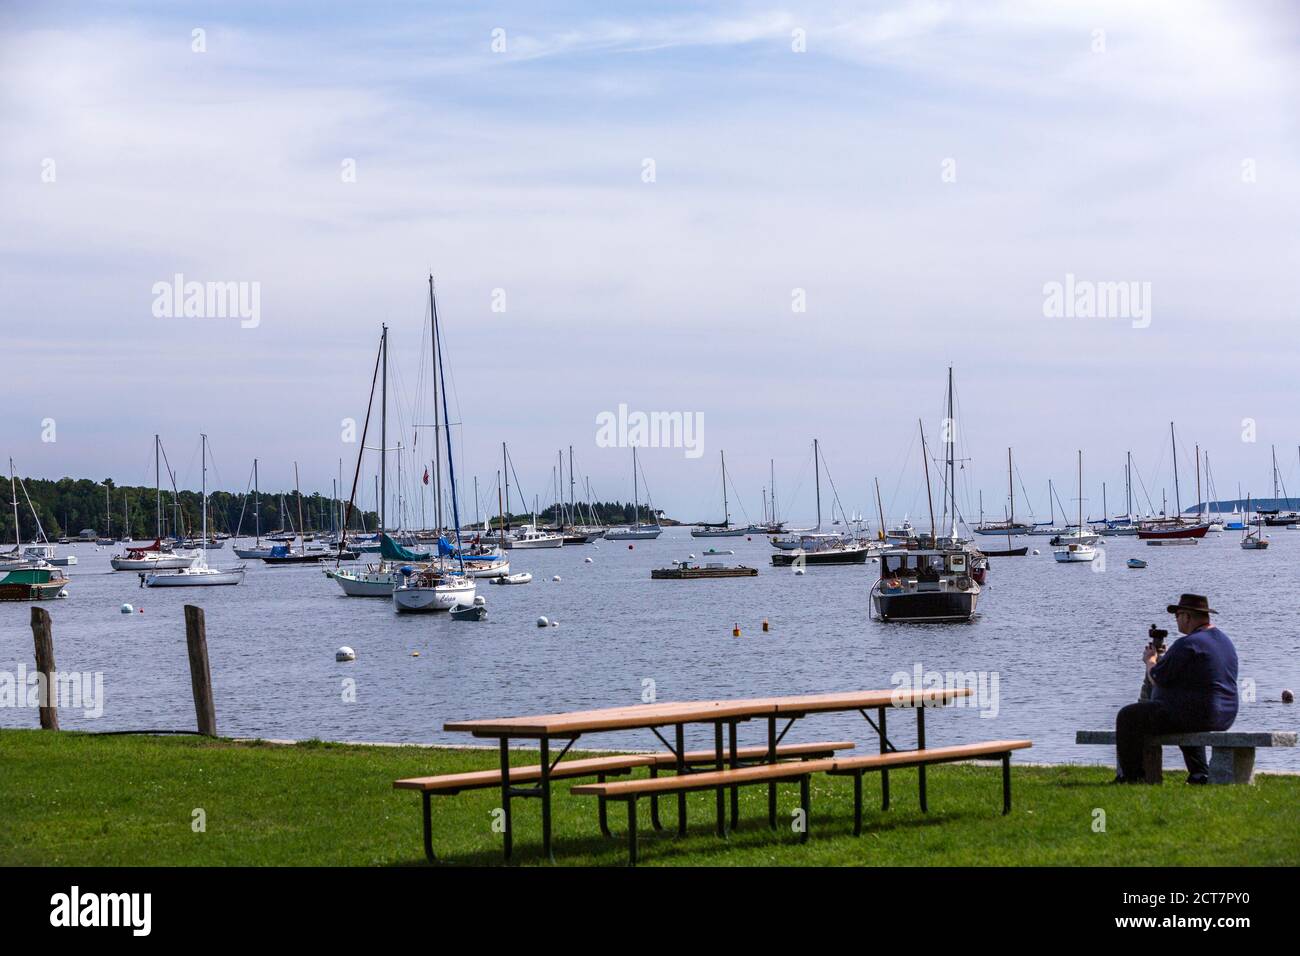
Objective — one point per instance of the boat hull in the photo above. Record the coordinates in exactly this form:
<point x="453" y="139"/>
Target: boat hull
<point x="921" y="607"/>
<point x="442" y="597"/>
<point x="785" y="559"/>
<point x="193" y="578"/>
<point x="164" y="562"/>
<point x="691" y="574"/>
<point x="718" y="532"/>
<point x="627" y="534"/>
<point x="366" y="583"/>
<point x="1196" y="531"/>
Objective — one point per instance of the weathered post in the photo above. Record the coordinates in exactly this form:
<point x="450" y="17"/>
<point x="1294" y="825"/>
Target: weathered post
<point x="44" y="639"/>
<point x="196" y="638"/>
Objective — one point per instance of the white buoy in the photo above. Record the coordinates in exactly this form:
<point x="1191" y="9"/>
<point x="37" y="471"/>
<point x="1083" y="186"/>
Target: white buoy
<point x="555" y="624"/>
<point x="1035" y="550"/>
<point x="345" y="653"/>
<point x="691" y="556"/>
<point x="875" y="560"/>
<point x="543" y="622"/>
<point x="586" y="560"/>
<point x="556" y="578"/>
<point x="127" y="609"/>
<point x="798" y="570"/>
<point x="480" y="601"/>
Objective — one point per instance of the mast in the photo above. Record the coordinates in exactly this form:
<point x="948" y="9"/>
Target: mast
<point x="301" y="528"/>
<point x="1080" y="492"/>
<point x="925" y="461"/>
<point x="1128" y="487"/>
<point x="726" y="513"/>
<point x="13" y="495"/>
<point x="1199" y="510"/>
<point x="501" y="509"/>
<point x="475" y="501"/>
<point x="1178" y="504"/>
<point x="772" y="485"/>
<point x="451" y="463"/>
<point x="1274" y="449"/>
<point x="506" y="470"/>
<point x="1105" y="520"/>
<point x="383" y="432"/>
<point x="818" y="473"/>
<point x="1051" y="501"/>
<point x="950" y="479"/>
<point x="157" y="484"/>
<point x="203" y="553"/>
<point x="880" y="509"/>
<point x="1011" y="488"/>
<point x="257" y="507"/>
<point x="636" y="500"/>
<point x="572" y="513"/>
<point x="437" y="448"/>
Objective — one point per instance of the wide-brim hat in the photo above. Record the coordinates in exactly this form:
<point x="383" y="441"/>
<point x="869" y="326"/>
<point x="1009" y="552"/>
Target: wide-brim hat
<point x="1197" y="603"/>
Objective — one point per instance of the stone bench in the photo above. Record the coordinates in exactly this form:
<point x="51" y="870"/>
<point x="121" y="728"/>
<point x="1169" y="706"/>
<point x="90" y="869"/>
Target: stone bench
<point x="1232" y="752"/>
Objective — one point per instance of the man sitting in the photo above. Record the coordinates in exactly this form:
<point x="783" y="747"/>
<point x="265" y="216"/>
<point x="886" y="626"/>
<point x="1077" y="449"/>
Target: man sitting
<point x="1193" y="688"/>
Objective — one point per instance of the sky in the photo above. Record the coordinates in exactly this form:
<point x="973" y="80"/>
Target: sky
<point x="785" y="222"/>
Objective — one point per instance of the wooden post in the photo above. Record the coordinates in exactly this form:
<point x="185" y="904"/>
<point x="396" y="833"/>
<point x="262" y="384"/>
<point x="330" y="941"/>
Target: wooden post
<point x="45" y="665"/>
<point x="196" y="637"/>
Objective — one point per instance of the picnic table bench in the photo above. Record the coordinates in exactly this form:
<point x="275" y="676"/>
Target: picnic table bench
<point x="1232" y="752"/>
<point x="726" y="762"/>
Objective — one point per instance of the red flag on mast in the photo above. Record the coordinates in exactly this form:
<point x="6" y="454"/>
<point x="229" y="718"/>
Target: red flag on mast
<point x="426" y="474"/>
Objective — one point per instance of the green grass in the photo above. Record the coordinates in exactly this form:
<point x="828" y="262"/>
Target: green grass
<point x="75" y="799"/>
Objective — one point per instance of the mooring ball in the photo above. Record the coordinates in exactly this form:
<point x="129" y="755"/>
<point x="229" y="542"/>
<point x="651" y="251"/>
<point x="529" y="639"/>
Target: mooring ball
<point x="1288" y="697"/>
<point x="555" y="624"/>
<point x="480" y="600"/>
<point x="127" y="609"/>
<point x="798" y="570"/>
<point x="543" y="622"/>
<point x="345" y="653"/>
<point x="586" y="560"/>
<point x="1035" y="550"/>
<point x="555" y="578"/>
<point x="691" y="556"/>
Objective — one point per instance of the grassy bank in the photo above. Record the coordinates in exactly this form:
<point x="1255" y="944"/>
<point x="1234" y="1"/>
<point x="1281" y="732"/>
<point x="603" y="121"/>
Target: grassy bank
<point x="74" y="799"/>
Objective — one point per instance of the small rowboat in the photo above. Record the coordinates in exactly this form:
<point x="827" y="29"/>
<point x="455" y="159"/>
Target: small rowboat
<point x="468" y="612"/>
<point x="1136" y="563"/>
<point x="522" y="578"/>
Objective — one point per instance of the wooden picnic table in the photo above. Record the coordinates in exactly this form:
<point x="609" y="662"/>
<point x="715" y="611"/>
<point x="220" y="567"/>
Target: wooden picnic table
<point x="568" y="727"/>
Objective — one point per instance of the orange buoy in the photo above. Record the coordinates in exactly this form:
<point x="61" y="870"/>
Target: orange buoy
<point x="764" y="625"/>
<point x="735" y="630"/>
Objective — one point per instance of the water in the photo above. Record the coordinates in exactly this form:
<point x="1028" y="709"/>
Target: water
<point x="1065" y="642"/>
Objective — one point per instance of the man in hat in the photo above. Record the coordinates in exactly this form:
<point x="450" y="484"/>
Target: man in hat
<point x="1193" y="688"/>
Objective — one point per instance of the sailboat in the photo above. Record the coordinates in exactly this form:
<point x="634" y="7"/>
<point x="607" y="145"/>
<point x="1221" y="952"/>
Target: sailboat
<point x="154" y="557"/>
<point x="198" y="574"/>
<point x="442" y="584"/>
<point x="817" y="547"/>
<point x="1076" y="547"/>
<point x="27" y="579"/>
<point x="635" y="531"/>
<point x="283" y="554"/>
<point x="1175" y="528"/>
<point x="1274" y="517"/>
<point x="1252" y="539"/>
<point x="1009" y="525"/>
<point x="258" y="550"/>
<point x="723" y="530"/>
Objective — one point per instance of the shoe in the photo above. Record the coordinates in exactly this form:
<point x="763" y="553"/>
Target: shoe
<point x="1198" y="779"/>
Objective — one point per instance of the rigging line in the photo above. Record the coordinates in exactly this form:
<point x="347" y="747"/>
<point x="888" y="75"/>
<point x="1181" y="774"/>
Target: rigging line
<point x="835" y="495"/>
<point x="1151" y="508"/>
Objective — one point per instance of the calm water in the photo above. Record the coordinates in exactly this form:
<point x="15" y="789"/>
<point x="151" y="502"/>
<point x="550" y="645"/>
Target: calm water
<point x="1064" y="640"/>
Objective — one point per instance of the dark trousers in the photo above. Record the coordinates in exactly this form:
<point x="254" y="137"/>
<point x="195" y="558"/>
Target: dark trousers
<point x="1147" y="719"/>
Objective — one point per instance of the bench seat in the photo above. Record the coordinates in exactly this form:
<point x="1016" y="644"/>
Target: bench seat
<point x="1232" y="755"/>
<point x="450" y="783"/>
<point x="759" y="753"/>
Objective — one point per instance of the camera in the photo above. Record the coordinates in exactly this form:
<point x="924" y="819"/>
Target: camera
<point x="1157" y="636"/>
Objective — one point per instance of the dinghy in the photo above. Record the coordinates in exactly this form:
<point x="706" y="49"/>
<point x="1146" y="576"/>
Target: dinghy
<point x="1136" y="563"/>
<point x="522" y="577"/>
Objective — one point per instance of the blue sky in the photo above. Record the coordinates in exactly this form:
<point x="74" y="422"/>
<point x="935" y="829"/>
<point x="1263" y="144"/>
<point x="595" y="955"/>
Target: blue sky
<point x="775" y="170"/>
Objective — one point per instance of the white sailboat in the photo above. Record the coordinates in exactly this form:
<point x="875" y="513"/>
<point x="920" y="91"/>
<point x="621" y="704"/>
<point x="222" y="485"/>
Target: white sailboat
<point x="198" y="574"/>
<point x="724" y="530"/>
<point x="1076" y="546"/>
<point x="154" y="557"/>
<point x="1252" y="539"/>
<point x="258" y="550"/>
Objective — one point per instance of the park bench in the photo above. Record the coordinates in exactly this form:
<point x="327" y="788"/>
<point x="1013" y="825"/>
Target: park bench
<point x="1232" y="752"/>
<point x="801" y="771"/>
<point x="856" y="766"/>
<point x="600" y="767"/>
<point x="631" y="790"/>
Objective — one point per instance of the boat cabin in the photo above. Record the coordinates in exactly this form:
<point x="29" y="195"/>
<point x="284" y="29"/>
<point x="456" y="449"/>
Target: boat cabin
<point x="923" y="568"/>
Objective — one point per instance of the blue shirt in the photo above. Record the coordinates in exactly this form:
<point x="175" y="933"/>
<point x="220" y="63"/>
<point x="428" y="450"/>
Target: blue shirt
<point x="1197" y="679"/>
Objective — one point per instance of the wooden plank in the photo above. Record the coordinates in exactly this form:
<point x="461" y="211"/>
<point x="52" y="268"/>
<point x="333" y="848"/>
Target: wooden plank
<point x="786" y="751"/>
<point x="868" y="699"/>
<point x="929" y="755"/>
<point x="478" y="779"/>
<point x="43" y="636"/>
<point x="759" y="773"/>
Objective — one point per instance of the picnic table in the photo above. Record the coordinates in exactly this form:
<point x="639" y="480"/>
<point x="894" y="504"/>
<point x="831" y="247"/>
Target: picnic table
<point x="547" y="729"/>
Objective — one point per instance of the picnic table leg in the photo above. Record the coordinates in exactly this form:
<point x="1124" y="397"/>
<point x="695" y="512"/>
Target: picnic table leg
<point x="735" y="791"/>
<point x="602" y="809"/>
<point x="920" y="745"/>
<point x="681" y="769"/>
<point x="1006" y="783"/>
<point x="505" y="793"/>
<point x="718" y="759"/>
<point x="771" y="758"/>
<point x="546" y="798"/>
<point x="428" y="829"/>
<point x="654" y="802"/>
<point x="884" y="774"/>
<point x="805" y="804"/>
<point x="857" y="804"/>
<point x="631" y="831"/>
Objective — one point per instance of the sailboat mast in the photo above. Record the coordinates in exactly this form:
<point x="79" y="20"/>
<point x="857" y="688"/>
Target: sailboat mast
<point x="726" y="512"/>
<point x="636" y="492"/>
<point x="257" y="507"/>
<point x="1178" y="504"/>
<point x="383" y="433"/>
<point x="157" y="485"/>
<point x="1128" y="486"/>
<point x="204" y="540"/>
<point x="817" y="471"/>
<point x="13" y="495"/>
<point x="1198" y="482"/>
<point x="437" y="447"/>
<point x="925" y="461"/>
<point x="1080" y="491"/>
<point x="501" y="510"/>
<point x="950" y="479"/>
<point x="302" y="531"/>
<point x="880" y="509"/>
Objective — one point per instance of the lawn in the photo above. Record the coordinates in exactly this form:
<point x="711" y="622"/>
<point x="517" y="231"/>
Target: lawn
<point x="78" y="799"/>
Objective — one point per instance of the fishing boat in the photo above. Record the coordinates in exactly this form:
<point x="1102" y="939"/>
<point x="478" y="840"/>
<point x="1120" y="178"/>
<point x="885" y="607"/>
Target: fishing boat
<point x="33" y="584"/>
<point x="817" y="549"/>
<point x="723" y="530"/>
<point x="1252" y="539"/>
<point x="530" y="537"/>
<point x="197" y="574"/>
<point x="927" y="583"/>
<point x="635" y="531"/>
<point x="692" y="572"/>
<point x="431" y="588"/>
